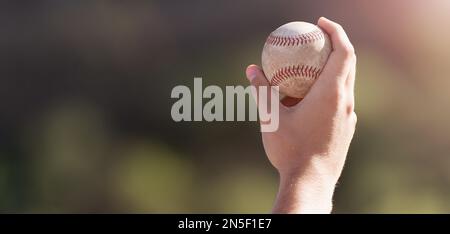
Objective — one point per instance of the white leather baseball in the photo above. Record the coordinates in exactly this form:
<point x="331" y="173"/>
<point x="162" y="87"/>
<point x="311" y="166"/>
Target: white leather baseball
<point x="293" y="57"/>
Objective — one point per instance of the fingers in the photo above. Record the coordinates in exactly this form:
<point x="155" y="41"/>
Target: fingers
<point x="341" y="43"/>
<point x="338" y="64"/>
<point x="350" y="81"/>
<point x="350" y="87"/>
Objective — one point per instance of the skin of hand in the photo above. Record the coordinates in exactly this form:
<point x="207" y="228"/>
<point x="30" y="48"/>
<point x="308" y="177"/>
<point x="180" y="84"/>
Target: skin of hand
<point x="311" y="144"/>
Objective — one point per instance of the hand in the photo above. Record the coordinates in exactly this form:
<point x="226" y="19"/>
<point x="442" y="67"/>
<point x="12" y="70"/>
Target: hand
<point x="310" y="146"/>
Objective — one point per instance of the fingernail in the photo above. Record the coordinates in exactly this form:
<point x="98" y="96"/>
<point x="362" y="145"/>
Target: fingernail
<point x="251" y="73"/>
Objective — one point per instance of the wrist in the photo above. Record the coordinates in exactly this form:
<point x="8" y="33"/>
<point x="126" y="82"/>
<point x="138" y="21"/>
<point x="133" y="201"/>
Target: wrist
<point x="304" y="191"/>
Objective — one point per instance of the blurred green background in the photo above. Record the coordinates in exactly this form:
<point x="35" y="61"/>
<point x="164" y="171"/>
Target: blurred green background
<point x="85" y="103"/>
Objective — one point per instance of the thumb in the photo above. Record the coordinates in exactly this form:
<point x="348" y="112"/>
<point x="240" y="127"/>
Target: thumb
<point x="259" y="81"/>
<point x="256" y="76"/>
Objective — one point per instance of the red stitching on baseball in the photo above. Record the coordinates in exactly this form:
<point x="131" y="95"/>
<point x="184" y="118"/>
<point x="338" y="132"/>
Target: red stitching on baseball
<point x="285" y="73"/>
<point x="295" y="40"/>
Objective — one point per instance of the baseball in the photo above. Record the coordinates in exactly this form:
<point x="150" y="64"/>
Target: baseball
<point x="294" y="56"/>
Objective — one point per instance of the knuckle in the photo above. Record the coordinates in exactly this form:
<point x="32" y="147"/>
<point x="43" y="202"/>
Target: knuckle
<point x="350" y="108"/>
<point x="338" y="27"/>
<point x="340" y="93"/>
<point x="336" y="95"/>
<point x="349" y="52"/>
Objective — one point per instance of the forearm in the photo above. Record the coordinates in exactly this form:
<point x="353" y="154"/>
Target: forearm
<point x="304" y="194"/>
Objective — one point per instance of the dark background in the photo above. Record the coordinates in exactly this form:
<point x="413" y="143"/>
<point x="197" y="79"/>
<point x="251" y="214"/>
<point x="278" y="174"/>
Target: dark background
<point x="85" y="103"/>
